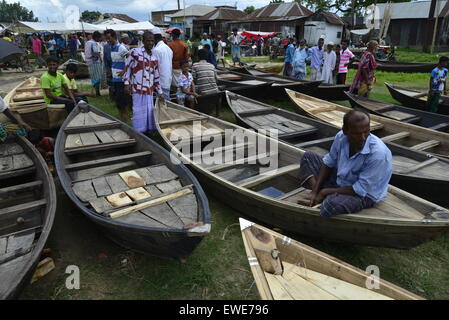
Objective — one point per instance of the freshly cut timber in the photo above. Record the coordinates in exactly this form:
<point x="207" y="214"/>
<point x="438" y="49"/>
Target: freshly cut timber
<point x="417" y="117"/>
<point x="128" y="186"/>
<point x="27" y="211"/>
<point x="260" y="177"/>
<point x="406" y="67"/>
<point x="285" y="269"/>
<point x="82" y="71"/>
<point x="403" y="134"/>
<point x="411" y="169"/>
<point x="278" y="84"/>
<point x="416" y="99"/>
<point x="322" y="91"/>
<point x="27" y="99"/>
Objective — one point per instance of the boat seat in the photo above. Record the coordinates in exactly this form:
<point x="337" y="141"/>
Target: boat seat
<point x="413" y="120"/>
<point x="299" y="133"/>
<point x="100" y="147"/>
<point x="396" y="136"/>
<point x="314" y="142"/>
<point x="267" y="175"/>
<point x="399" y="115"/>
<point x="425" y="145"/>
<point x="440" y="126"/>
<point x="107" y="161"/>
<point x="20" y="187"/>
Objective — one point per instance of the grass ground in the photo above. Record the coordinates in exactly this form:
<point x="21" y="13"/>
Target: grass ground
<point x="218" y="268"/>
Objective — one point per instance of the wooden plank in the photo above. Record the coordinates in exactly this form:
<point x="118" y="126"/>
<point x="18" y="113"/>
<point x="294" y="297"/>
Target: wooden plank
<point x="20" y="187"/>
<point x="291" y="193"/>
<point x="138" y="194"/>
<point x="164" y="214"/>
<point x="99" y="119"/>
<point x="73" y="141"/>
<point x="151" y="203"/>
<point x="253" y="160"/>
<point x="268" y="175"/>
<point x="20" y="241"/>
<point x="89" y="121"/>
<point x="314" y="142"/>
<point x="17" y="173"/>
<point x="89" y="138"/>
<point x="21" y="208"/>
<point x="116" y="183"/>
<point x="6" y="163"/>
<point x="104" y="137"/>
<point x="118" y="135"/>
<point x="440" y="126"/>
<point x="179" y="121"/>
<point x="132" y="179"/>
<point x="100" y="147"/>
<point x="277" y="289"/>
<point x="140" y="219"/>
<point x="145" y="175"/>
<point x="119" y="199"/>
<point x="101" y="187"/>
<point x="425" y="145"/>
<point x="100" y="205"/>
<point x="106" y="161"/>
<point x="3" y="244"/>
<point x="77" y="121"/>
<point x="417" y="166"/>
<point x="14" y="148"/>
<point x="21" y="161"/>
<point x="161" y="174"/>
<point x="98" y="127"/>
<point x="301" y="289"/>
<point x="186" y="208"/>
<point x="153" y="190"/>
<point x="264" y="246"/>
<point x="396" y="136"/>
<point x="169" y="186"/>
<point x="84" y="190"/>
<point x="88" y="174"/>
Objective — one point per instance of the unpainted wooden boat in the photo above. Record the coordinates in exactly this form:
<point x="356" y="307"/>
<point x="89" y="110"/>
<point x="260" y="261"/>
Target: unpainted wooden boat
<point x="403" y="134"/>
<point x="416" y="99"/>
<point x="83" y="69"/>
<point x="244" y="84"/>
<point x="406" y="67"/>
<point x="128" y="186"/>
<point x="27" y="211"/>
<point x="411" y="169"/>
<point x="27" y="99"/>
<point x="417" y="117"/>
<point x="260" y="175"/>
<point x="285" y="269"/>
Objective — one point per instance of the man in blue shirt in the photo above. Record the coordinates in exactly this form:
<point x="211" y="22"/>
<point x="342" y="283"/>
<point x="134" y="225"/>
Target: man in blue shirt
<point x="316" y="64"/>
<point x="300" y="59"/>
<point x="354" y="175"/>
<point x="289" y="53"/>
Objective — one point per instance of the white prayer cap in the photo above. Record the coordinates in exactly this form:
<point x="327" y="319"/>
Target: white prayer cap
<point x="330" y="43"/>
<point x="125" y="35"/>
<point x="140" y="33"/>
<point x="156" y="30"/>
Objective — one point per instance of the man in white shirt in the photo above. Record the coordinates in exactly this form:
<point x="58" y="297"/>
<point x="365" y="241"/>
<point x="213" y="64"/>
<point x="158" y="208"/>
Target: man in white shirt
<point x="164" y="56"/>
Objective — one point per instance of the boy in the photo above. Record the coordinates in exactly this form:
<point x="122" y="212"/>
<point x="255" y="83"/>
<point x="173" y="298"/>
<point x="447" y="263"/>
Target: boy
<point x="437" y="84"/>
<point x="69" y="76"/>
<point x="346" y="58"/>
<point x="186" y="88"/>
<point x="53" y="85"/>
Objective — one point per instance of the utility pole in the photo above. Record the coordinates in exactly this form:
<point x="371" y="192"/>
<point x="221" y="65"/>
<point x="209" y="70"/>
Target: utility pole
<point x="429" y="27"/>
<point x="435" y="28"/>
<point x="179" y="7"/>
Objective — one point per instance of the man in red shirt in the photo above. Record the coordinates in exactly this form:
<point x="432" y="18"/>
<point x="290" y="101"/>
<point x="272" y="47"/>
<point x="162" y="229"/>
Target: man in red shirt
<point x="37" y="50"/>
<point x="180" y="52"/>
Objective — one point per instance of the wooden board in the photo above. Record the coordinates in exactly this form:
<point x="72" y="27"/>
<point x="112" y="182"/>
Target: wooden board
<point x="101" y="186"/>
<point x="186" y="208"/>
<point x="132" y="179"/>
<point x="138" y="194"/>
<point x="89" y="138"/>
<point x="78" y="120"/>
<point x="100" y="205"/>
<point x="118" y="135"/>
<point x="140" y="219"/>
<point x="84" y="190"/>
<point x="116" y="183"/>
<point x="170" y="186"/>
<point x="119" y="199"/>
<point x="73" y="141"/>
<point x="161" y="173"/>
<point x="104" y="136"/>
<point x="21" y="161"/>
<point x="164" y="215"/>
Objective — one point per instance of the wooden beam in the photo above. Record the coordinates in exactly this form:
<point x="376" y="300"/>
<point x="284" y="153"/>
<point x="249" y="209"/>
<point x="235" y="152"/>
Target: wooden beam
<point x="100" y="147"/>
<point x="23" y="207"/>
<point x="256" y="112"/>
<point x="16" y="173"/>
<point x="20" y="187"/>
<point x="291" y="193"/>
<point x="238" y="162"/>
<point x="107" y="161"/>
<point x="425" y="145"/>
<point x="396" y="136"/>
<point x="440" y="126"/>
<point x="268" y="175"/>
<point x="417" y="166"/>
<point x="314" y="142"/>
<point x="96" y="127"/>
<point x="178" y="121"/>
<point x="151" y="203"/>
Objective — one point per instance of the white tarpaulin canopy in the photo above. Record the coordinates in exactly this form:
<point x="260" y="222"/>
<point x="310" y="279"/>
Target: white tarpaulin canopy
<point x="136" y="26"/>
<point x="62" y="27"/>
<point x="360" y="32"/>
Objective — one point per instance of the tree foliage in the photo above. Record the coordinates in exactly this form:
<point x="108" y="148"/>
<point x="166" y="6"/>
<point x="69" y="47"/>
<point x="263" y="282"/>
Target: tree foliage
<point x="249" y="9"/>
<point x="277" y="1"/>
<point x="90" y="16"/>
<point x="12" y="12"/>
<point x="344" y="6"/>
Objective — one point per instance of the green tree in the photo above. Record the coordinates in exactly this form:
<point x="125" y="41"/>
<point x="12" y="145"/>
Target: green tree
<point x="11" y="12"/>
<point x="90" y="16"/>
<point x="344" y="6"/>
<point x="249" y="9"/>
<point x="277" y="1"/>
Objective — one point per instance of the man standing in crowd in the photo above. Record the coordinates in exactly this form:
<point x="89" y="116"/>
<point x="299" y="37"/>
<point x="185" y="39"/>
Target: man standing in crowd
<point x="289" y="54"/>
<point x="235" y="39"/>
<point x="118" y="58"/>
<point x="365" y="79"/>
<point x="124" y="38"/>
<point x="204" y="74"/>
<point x="180" y="52"/>
<point x="141" y="81"/>
<point x="73" y="47"/>
<point x="316" y="54"/>
<point x="60" y="47"/>
<point x="164" y="56"/>
<point x="299" y="62"/>
<point x="37" y="50"/>
<point x="93" y="60"/>
<point x="346" y="57"/>
<point x="52" y="45"/>
<point x="107" y="64"/>
<point x="329" y="61"/>
<point x="205" y="40"/>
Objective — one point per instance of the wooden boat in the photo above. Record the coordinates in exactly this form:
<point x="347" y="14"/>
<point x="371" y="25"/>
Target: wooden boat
<point x="27" y="99"/>
<point x="417" y="117"/>
<point x="416" y="99"/>
<point x="128" y="186"/>
<point x="260" y="175"/>
<point x="317" y="136"/>
<point x="400" y="133"/>
<point x="83" y="69"/>
<point x="244" y="84"/>
<point x="406" y="67"/>
<point x="276" y="91"/>
<point x="322" y="91"/>
<point x="27" y="211"/>
<point x="285" y="269"/>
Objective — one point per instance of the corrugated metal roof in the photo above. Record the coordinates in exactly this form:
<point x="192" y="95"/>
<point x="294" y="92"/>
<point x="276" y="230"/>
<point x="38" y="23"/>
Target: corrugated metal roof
<point x="275" y="10"/>
<point x="194" y="11"/>
<point x="224" y="14"/>
<point x="411" y="10"/>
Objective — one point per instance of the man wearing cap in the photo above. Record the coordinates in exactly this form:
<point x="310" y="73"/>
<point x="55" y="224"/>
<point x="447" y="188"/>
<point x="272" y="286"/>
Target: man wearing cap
<point x="180" y="52"/>
<point x="316" y="54"/>
<point x="164" y="56"/>
<point x="329" y="61"/>
<point x="125" y="40"/>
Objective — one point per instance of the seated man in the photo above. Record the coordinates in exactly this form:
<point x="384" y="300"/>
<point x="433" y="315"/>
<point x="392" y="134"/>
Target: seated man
<point x="69" y="76"/>
<point x="354" y="175"/>
<point x="18" y="127"/>
<point x="54" y="84"/>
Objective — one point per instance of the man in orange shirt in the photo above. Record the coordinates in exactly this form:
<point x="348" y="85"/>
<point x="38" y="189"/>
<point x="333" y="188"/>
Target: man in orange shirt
<point x="180" y="52"/>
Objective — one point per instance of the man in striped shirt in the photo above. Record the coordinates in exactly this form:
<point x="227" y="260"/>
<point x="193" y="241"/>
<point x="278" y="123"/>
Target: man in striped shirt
<point x="204" y="75"/>
<point x="346" y="57"/>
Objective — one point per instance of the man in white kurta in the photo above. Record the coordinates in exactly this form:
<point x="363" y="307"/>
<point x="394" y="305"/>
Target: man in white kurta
<point x="164" y="56"/>
<point x="329" y="60"/>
